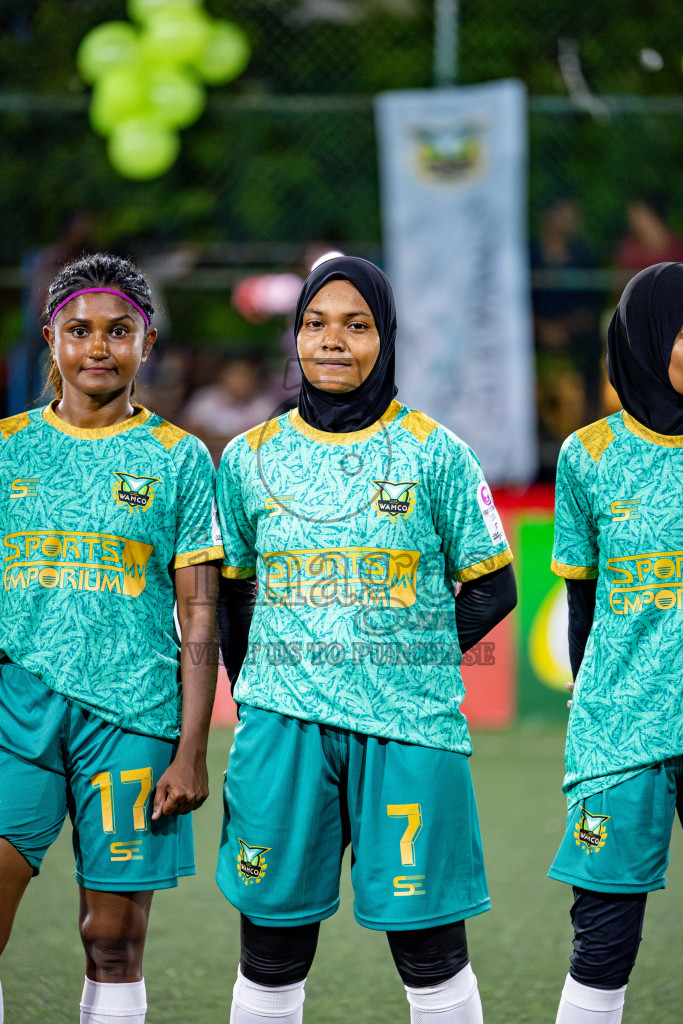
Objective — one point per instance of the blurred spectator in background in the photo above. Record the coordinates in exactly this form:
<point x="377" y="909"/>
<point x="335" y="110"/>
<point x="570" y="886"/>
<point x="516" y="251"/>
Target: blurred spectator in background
<point x="164" y="380"/>
<point x="79" y="235"/>
<point x="567" y="330"/>
<point x="259" y="297"/>
<point x="27" y="359"/>
<point x="238" y="400"/>
<point x="650" y="239"/>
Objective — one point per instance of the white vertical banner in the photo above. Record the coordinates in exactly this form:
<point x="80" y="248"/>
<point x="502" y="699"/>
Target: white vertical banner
<point x="453" y="172"/>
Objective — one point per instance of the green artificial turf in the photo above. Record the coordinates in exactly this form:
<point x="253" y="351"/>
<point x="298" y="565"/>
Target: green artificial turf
<point x="519" y="950"/>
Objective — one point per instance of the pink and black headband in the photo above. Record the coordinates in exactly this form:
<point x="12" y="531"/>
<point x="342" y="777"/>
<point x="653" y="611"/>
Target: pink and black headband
<point x="110" y="291"/>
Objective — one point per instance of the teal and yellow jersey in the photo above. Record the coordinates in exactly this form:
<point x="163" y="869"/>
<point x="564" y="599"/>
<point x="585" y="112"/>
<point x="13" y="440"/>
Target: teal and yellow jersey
<point x="619" y="518"/>
<point x="357" y="541"/>
<point x="93" y="522"/>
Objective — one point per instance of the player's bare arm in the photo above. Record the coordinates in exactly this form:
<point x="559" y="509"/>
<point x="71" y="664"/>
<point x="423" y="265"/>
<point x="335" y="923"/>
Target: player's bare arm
<point x="184" y="786"/>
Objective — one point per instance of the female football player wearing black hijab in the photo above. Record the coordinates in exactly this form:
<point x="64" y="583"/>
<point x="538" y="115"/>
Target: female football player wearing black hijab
<point x="619" y="545"/>
<point x="359" y="517"/>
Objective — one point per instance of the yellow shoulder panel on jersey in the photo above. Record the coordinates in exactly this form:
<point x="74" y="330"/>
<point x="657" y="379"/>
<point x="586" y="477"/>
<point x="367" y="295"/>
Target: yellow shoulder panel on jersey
<point x="259" y="435"/>
<point x="596" y="438"/>
<point x="168" y="434"/>
<point x="419" y="425"/>
<point x="13" y="424"/>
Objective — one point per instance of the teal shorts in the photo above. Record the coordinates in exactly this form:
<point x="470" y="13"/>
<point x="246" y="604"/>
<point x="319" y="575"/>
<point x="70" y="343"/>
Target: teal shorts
<point x="297" y="793"/>
<point x="618" y="840"/>
<point x="56" y="758"/>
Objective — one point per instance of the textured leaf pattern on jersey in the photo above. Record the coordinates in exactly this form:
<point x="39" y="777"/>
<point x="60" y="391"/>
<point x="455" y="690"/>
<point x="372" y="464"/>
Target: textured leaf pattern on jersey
<point x="355" y="619"/>
<point x="87" y="597"/>
<point x="623" y="514"/>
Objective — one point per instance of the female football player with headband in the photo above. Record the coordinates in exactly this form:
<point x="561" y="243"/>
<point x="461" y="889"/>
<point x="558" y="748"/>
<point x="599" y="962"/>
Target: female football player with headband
<point x="107" y="521"/>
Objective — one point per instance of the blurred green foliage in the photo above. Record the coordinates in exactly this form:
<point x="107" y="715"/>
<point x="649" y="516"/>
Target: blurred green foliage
<point x="361" y="46"/>
<point x="287" y="152"/>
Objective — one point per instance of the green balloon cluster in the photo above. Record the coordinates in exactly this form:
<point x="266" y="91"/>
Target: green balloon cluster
<point x="148" y="78"/>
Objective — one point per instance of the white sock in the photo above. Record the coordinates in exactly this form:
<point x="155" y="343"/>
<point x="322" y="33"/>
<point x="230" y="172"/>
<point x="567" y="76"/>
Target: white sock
<point x="252" y="1003"/>
<point x="581" y="1004"/>
<point x="105" y="1003"/>
<point x="455" y="1001"/>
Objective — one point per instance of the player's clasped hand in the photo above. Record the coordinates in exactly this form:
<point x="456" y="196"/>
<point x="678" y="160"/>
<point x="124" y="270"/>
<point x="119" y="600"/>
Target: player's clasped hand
<point x="182" y="788"/>
<point x="570" y="687"/>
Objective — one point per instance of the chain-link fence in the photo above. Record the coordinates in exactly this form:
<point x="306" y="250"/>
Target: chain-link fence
<point x="287" y="154"/>
<point x="294" y="169"/>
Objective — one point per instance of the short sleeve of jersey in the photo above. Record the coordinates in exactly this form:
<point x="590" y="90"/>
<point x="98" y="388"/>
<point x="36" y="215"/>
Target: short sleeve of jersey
<point x="466" y="519"/>
<point x="198" y="536"/>
<point x="575" y="548"/>
<point x="239" y="537"/>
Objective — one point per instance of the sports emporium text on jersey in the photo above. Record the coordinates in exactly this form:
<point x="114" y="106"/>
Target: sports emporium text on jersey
<point x="317" y="577"/>
<point x="80" y="561"/>
<point x="650" y="579"/>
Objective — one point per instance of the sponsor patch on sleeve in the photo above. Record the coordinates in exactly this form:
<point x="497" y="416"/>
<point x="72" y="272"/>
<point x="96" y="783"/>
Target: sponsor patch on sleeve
<point x="491" y="517"/>
<point x="216" y="537"/>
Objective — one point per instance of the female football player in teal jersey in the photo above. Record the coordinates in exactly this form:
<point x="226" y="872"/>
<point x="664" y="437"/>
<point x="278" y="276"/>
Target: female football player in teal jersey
<point x="107" y="520"/>
<point x="358" y="517"/>
<point x="619" y="545"/>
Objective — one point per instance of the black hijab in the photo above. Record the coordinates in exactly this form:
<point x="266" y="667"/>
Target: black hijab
<point x="352" y="410"/>
<point x="639" y="342"/>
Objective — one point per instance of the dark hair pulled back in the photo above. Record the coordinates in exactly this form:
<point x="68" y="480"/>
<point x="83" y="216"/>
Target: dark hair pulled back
<point x="100" y="270"/>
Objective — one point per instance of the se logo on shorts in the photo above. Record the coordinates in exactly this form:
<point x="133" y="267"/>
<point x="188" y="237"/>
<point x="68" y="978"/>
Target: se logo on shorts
<point x="127" y="851"/>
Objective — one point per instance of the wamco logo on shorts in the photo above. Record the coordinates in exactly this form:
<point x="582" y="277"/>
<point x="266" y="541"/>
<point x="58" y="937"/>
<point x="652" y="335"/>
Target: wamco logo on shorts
<point x="250" y="863"/>
<point x="590" y="831"/>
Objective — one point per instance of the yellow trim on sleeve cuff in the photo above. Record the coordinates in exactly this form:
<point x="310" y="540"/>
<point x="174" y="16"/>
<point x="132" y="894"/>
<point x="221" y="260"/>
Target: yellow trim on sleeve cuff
<point x="473" y="572"/>
<point x="574" y="572"/>
<point x="238" y="572"/>
<point x="197" y="557"/>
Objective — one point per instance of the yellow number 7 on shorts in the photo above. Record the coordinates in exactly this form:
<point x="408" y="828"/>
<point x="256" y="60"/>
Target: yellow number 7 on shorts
<point x="144" y="777"/>
<point x="413" y="812"/>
